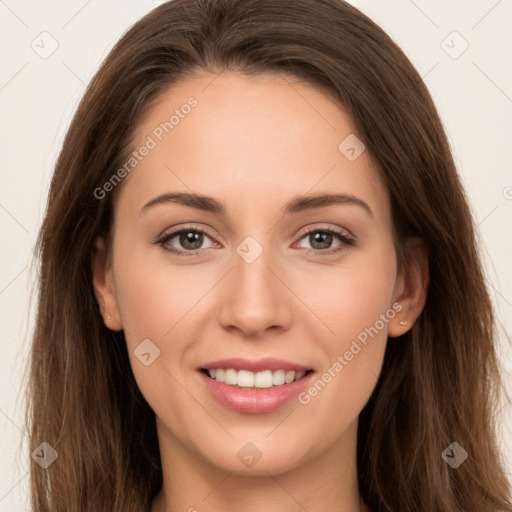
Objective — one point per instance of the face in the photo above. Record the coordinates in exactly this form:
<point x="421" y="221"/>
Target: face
<point x="260" y="270"/>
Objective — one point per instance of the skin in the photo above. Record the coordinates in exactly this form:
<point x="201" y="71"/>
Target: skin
<point x="253" y="144"/>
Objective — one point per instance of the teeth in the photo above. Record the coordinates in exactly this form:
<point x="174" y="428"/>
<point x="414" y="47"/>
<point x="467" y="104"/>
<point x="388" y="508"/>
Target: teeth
<point x="263" y="379"/>
<point x="231" y="377"/>
<point x="247" y="379"/>
<point x="278" y="377"/>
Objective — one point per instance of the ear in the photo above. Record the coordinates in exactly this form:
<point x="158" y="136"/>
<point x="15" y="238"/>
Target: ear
<point x="411" y="288"/>
<point x="103" y="284"/>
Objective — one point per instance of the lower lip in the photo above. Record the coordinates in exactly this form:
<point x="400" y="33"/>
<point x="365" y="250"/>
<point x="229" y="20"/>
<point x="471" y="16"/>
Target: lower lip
<point x="254" y="400"/>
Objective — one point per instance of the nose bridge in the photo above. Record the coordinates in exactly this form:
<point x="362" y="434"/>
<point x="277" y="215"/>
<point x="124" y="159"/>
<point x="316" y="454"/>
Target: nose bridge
<point x="252" y="262"/>
<point x="255" y="298"/>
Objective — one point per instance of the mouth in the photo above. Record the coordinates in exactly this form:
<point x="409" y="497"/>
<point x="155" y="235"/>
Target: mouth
<point x="245" y="379"/>
<point x="255" y="386"/>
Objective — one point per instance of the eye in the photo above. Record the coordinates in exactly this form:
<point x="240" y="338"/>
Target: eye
<point x="321" y="240"/>
<point x="190" y="239"/>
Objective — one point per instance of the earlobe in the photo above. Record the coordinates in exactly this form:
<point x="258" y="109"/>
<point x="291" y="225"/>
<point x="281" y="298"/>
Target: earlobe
<point x="411" y="289"/>
<point x="103" y="284"/>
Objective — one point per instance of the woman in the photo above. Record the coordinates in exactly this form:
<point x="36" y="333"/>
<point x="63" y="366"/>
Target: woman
<point x="190" y="352"/>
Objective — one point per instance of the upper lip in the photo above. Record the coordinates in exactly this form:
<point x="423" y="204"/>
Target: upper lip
<point x="253" y="365"/>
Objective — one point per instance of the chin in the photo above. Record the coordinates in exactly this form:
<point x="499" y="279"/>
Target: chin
<point x="259" y="458"/>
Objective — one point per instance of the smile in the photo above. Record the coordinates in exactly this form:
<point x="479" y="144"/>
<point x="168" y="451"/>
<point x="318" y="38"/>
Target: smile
<point x="246" y="379"/>
<point x="265" y="398"/>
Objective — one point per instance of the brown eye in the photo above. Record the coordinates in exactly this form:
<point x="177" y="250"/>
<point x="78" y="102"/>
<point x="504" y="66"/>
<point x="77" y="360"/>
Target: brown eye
<point x="185" y="242"/>
<point x="320" y="240"/>
<point x="191" y="240"/>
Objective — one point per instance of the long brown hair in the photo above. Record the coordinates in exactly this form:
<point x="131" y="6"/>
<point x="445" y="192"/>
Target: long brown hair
<point x="440" y="382"/>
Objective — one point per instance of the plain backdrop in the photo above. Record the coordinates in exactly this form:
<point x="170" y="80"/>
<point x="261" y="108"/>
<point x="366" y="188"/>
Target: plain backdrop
<point x="462" y="49"/>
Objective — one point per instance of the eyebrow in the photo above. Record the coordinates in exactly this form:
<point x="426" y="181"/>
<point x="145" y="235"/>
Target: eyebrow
<point x="296" y="205"/>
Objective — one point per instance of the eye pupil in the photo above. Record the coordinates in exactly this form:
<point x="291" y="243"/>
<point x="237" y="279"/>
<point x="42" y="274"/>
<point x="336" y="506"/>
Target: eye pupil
<point x="323" y="238"/>
<point x="191" y="237"/>
<point x="191" y="240"/>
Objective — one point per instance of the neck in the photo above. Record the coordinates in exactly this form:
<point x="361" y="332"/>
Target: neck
<point x="327" y="481"/>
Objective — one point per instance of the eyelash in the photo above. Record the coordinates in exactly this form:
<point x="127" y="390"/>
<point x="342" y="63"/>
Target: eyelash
<point x="344" y="239"/>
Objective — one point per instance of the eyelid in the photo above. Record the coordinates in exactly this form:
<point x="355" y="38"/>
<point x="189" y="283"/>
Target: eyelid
<point x="164" y="238"/>
<point x="325" y="227"/>
<point x="345" y="239"/>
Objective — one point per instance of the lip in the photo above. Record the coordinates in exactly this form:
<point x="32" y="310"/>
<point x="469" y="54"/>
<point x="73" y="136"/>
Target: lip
<point x="253" y="400"/>
<point x="266" y="363"/>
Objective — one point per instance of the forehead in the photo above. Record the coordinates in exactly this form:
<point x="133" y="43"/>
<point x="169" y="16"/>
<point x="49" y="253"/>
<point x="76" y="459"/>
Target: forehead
<point x="243" y="139"/>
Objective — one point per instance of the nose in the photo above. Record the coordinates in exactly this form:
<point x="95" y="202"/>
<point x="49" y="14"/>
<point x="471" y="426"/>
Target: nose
<point x="256" y="298"/>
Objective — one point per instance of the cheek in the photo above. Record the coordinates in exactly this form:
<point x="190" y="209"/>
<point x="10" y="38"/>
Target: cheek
<point x="164" y="303"/>
<point x="350" y="298"/>
<point x="354" y="305"/>
<point x="156" y="303"/>
<point x="154" y="297"/>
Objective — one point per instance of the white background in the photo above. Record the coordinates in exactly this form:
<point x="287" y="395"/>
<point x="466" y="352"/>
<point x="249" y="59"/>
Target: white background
<point x="473" y="93"/>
